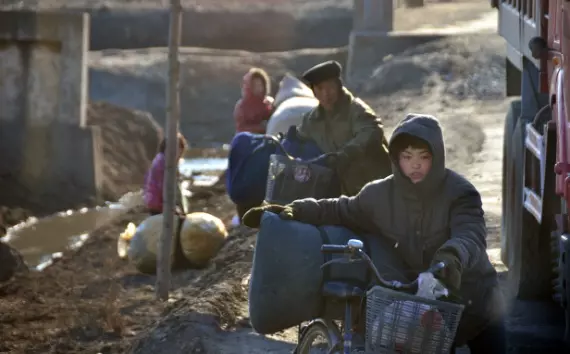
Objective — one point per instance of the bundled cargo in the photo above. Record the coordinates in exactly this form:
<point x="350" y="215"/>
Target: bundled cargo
<point x="143" y="245"/>
<point x="143" y="248"/>
<point x="201" y="237"/>
<point x="286" y="278"/>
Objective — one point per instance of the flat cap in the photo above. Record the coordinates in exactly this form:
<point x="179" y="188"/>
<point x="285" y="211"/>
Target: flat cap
<point x="321" y="72"/>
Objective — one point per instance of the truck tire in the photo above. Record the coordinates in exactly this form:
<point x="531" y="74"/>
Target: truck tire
<point x="526" y="254"/>
<point x="511" y="120"/>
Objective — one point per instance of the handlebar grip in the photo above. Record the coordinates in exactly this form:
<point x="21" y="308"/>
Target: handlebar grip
<point x="334" y="249"/>
<point x="436" y="268"/>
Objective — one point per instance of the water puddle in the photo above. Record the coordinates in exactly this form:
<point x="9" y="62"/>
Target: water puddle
<point x="203" y="171"/>
<point x="40" y="241"/>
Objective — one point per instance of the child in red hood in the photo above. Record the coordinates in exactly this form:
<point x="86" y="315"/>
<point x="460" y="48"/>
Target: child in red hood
<point x="253" y="110"/>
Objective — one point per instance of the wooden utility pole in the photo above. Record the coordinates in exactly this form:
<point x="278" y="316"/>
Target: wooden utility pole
<point x="169" y="189"/>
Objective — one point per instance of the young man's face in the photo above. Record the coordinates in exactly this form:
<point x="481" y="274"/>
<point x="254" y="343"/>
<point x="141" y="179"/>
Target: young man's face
<point x="415" y="163"/>
<point x="327" y="92"/>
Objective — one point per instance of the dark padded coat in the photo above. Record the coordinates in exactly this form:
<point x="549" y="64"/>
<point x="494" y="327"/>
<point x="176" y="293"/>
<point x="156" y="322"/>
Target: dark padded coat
<point x="442" y="211"/>
<point x="354" y="130"/>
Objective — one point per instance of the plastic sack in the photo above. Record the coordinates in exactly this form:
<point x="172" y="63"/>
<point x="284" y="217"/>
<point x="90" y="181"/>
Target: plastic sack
<point x="286" y="277"/>
<point x="143" y="248"/>
<point x="430" y="288"/>
<point x="290" y="87"/>
<point x="290" y="113"/>
<point x="201" y="237"/>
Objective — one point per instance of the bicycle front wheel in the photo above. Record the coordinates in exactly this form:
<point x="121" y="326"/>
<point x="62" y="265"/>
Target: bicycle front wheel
<point x="316" y="339"/>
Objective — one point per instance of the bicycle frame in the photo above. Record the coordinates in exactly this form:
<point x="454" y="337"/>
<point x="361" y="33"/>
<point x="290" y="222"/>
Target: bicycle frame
<point x="354" y="248"/>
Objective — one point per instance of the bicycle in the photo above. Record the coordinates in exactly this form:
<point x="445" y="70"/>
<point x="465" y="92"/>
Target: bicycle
<point x="396" y="321"/>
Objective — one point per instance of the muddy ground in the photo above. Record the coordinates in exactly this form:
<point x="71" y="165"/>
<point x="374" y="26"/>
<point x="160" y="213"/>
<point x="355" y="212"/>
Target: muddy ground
<point x="92" y="302"/>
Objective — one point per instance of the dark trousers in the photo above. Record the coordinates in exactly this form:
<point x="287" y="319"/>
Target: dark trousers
<point x="493" y="340"/>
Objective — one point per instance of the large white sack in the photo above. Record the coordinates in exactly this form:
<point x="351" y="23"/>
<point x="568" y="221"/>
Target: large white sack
<point x="293" y="100"/>
<point x="290" y="113"/>
<point x="290" y="87"/>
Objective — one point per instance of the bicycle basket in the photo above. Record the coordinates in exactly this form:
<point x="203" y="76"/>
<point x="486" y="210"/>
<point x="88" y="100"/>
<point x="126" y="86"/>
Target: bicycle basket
<point x="289" y="180"/>
<point x="401" y="323"/>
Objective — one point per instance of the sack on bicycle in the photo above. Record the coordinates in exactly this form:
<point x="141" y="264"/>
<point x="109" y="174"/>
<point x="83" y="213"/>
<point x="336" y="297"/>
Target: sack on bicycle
<point x="286" y="278"/>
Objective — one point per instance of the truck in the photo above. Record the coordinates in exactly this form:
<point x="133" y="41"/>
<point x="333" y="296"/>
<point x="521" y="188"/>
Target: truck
<point x="535" y="225"/>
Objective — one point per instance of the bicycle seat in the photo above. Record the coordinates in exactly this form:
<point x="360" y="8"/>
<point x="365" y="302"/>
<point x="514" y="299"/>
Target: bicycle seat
<point x="342" y="290"/>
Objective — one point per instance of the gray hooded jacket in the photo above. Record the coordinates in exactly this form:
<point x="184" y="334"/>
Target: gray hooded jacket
<point x="442" y="211"/>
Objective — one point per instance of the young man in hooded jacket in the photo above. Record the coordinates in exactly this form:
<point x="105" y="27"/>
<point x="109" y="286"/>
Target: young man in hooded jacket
<point x="430" y="214"/>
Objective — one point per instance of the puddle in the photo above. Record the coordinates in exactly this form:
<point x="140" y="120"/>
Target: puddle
<point x="204" y="166"/>
<point x="40" y="241"/>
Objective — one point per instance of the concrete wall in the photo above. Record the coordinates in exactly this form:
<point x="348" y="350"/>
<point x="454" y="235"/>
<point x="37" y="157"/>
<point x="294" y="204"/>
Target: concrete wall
<point x="44" y="143"/>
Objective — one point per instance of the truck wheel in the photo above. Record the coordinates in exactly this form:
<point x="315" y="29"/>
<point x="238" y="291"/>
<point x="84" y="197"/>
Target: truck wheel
<point x="506" y="198"/>
<point x="526" y="252"/>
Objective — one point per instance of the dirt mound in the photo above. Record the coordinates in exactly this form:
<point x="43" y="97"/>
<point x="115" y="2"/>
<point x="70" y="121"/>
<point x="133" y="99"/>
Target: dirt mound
<point x="447" y="78"/>
<point x="129" y="141"/>
<point x="457" y="63"/>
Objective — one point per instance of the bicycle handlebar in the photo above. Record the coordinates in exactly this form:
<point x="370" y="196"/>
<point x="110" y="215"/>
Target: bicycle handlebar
<point x="354" y="249"/>
<point x="334" y="249"/>
<point x="274" y="140"/>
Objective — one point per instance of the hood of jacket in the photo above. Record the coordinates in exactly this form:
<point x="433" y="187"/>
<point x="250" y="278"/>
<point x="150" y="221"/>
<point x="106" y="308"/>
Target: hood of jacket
<point x="427" y="128"/>
<point x="247" y="88"/>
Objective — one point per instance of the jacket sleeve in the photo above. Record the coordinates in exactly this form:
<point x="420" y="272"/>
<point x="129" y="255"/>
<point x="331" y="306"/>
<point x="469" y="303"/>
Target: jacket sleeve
<point x="366" y="128"/>
<point x="354" y="212"/>
<point x="467" y="229"/>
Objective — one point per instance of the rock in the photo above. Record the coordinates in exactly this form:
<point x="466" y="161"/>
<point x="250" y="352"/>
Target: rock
<point x="11" y="262"/>
<point x="201" y="237"/>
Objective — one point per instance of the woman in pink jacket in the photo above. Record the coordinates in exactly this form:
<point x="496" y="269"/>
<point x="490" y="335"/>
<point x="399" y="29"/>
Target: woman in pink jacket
<point x="154" y="178"/>
<point x="253" y="110"/>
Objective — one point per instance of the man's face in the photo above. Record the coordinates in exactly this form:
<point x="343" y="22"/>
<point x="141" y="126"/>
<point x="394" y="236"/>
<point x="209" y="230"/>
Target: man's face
<point x="415" y="163"/>
<point x="327" y="92"/>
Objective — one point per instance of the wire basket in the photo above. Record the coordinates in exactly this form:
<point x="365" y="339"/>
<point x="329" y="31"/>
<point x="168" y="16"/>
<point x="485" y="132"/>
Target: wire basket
<point x="401" y="323"/>
<point x="289" y="180"/>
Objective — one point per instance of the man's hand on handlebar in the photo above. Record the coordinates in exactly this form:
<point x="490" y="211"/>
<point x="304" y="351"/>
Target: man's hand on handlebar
<point x="355" y="248"/>
<point x="253" y="216"/>
<point x="451" y="275"/>
<point x="329" y="160"/>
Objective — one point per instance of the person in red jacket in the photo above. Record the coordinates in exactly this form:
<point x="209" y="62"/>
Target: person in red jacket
<point x="254" y="108"/>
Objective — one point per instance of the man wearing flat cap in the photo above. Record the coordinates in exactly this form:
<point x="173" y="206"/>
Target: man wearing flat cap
<point x="346" y="127"/>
